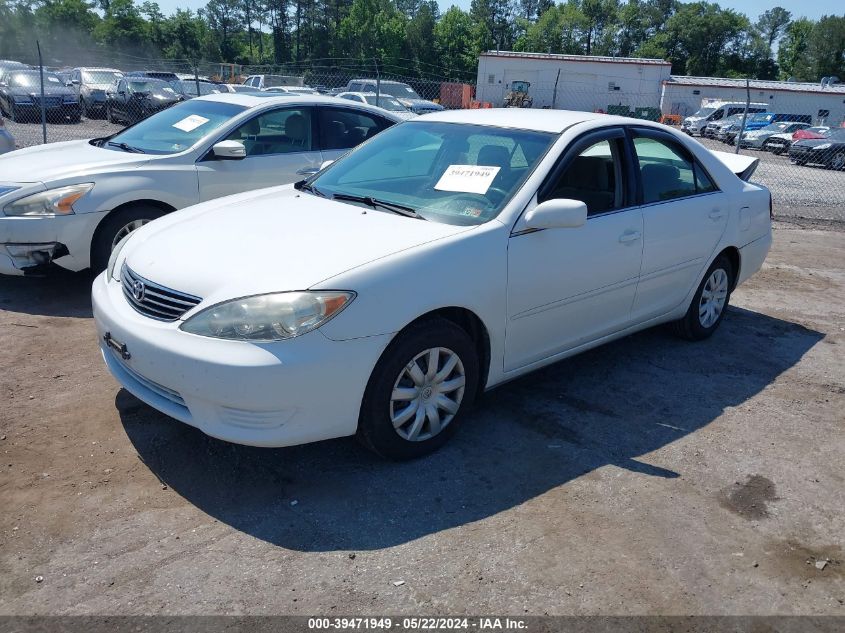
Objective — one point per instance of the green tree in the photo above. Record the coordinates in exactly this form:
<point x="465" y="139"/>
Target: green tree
<point x="772" y="24"/>
<point x="793" y="46"/>
<point x="453" y="42"/>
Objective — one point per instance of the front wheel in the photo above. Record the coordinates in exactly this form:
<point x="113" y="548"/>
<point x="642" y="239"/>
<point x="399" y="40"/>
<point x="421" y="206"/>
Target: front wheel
<point x="709" y="303"/>
<point x="117" y="226"/>
<point x="110" y="114"/>
<point x="837" y="161"/>
<point x="418" y="391"/>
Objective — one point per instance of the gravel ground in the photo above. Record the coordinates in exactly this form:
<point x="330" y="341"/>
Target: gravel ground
<point x="649" y="476"/>
<point x="799" y="192"/>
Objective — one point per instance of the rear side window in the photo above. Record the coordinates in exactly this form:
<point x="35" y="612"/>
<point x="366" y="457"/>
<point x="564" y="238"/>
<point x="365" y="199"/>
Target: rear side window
<point x="342" y="128"/>
<point x="668" y="171"/>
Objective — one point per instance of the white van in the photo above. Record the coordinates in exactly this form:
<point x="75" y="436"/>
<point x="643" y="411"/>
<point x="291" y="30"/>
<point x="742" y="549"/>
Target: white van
<point x="715" y="111"/>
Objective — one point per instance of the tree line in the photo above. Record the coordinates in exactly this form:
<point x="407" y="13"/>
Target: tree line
<point x="413" y="37"/>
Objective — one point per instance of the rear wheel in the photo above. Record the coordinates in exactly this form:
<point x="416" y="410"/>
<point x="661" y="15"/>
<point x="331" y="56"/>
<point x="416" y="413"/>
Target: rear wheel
<point x="419" y="390"/>
<point x="117" y="226"/>
<point x="709" y="303"/>
<point x="837" y="161"/>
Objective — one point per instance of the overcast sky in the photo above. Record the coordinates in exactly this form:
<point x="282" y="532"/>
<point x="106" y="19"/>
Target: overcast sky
<point x="752" y="8"/>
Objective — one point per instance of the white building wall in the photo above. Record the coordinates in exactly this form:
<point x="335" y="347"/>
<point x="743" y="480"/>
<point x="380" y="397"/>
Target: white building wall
<point x="685" y="99"/>
<point x="583" y="84"/>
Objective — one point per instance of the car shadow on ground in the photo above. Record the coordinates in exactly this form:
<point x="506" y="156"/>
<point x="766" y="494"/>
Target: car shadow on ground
<point x="608" y="406"/>
<point x="58" y="293"/>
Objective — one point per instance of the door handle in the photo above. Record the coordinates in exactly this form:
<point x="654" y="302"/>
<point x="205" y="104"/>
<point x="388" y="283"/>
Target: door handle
<point x="629" y="236"/>
<point x="308" y="171"/>
<point x="716" y="215"/>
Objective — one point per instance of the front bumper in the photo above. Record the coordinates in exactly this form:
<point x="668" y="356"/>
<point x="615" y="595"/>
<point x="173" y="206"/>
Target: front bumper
<point x="798" y="153"/>
<point x="65" y="239"/>
<point x="64" y="109"/>
<point x="753" y="143"/>
<point x="260" y="394"/>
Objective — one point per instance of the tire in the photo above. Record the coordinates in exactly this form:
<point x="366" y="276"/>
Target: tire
<point x="393" y="372"/>
<point x="694" y="326"/>
<point x="109" y="114"/>
<point x="115" y="227"/>
<point x="777" y="150"/>
<point x="837" y="161"/>
<point x="83" y="109"/>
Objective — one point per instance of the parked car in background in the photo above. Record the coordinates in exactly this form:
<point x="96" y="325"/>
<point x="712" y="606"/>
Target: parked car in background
<point x="756" y="139"/>
<point x="333" y="92"/>
<point x="20" y="97"/>
<point x="829" y="151"/>
<point x="236" y="88"/>
<point x="780" y="143"/>
<point x="406" y="95"/>
<point x="154" y="74"/>
<point x="7" y="141"/>
<point x="714" y="129"/>
<point x="717" y="111"/>
<point x="133" y="99"/>
<point x="187" y="88"/>
<point x="8" y="65"/>
<point x="291" y="90"/>
<point x="447" y="255"/>
<point x="91" y="85"/>
<point x="262" y="82"/>
<point x="72" y="202"/>
<point x="385" y="102"/>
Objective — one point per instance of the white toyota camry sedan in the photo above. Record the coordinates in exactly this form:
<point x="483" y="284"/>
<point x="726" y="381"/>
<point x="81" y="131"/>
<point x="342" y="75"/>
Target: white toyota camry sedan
<point x="442" y="257"/>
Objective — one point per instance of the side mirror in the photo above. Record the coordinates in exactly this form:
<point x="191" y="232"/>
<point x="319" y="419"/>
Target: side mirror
<point x="325" y="164"/>
<point x="557" y="214"/>
<point x="229" y="150"/>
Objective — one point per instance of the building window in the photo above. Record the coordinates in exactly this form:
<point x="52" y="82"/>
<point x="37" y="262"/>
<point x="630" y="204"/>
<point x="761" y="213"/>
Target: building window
<point x="696" y="92"/>
<point x="491" y="79"/>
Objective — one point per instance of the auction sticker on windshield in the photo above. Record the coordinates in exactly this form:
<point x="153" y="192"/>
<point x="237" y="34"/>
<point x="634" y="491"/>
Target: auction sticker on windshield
<point x="467" y="178"/>
<point x="190" y="123"/>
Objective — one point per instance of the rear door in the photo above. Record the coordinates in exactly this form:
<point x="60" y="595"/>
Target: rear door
<point x="281" y="148"/>
<point x="684" y="217"/>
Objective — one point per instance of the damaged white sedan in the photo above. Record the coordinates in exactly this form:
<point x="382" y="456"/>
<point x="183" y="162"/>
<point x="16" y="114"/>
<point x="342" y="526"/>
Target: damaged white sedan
<point x="442" y="257"/>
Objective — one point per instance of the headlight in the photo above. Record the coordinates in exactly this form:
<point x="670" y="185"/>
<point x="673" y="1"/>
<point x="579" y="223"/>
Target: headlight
<point x="823" y="146"/>
<point x="49" y="203"/>
<point x="114" y="254"/>
<point x="271" y="317"/>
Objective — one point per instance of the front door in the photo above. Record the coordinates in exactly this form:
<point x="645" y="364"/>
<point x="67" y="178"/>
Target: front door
<point x="280" y="149"/>
<point x="567" y="287"/>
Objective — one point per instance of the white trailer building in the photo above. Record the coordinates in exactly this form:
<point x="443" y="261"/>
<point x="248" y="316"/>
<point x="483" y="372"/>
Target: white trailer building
<point x="573" y="82"/>
<point x="826" y="105"/>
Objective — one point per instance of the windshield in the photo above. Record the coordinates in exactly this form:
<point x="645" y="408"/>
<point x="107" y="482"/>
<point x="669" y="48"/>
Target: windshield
<point x="31" y="80"/>
<point x="100" y="76"/>
<point x="703" y="112"/>
<point x="765" y="116"/>
<point x="177" y="128"/>
<point x="836" y="135"/>
<point x="403" y="91"/>
<point x="775" y="127"/>
<point x="446" y="172"/>
<point x="385" y="102"/>
<point x="190" y="87"/>
<point x="155" y="87"/>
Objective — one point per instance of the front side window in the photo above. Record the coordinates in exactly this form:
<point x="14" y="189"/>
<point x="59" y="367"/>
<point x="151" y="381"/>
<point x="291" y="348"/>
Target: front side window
<point x="594" y="177"/>
<point x="447" y="172"/>
<point x="668" y="171"/>
<point x="282" y="131"/>
<point x="342" y="128"/>
<point x="177" y="128"/>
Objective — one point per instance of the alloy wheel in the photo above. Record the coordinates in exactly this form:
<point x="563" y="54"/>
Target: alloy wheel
<point x="427" y="394"/>
<point x="838" y="161"/>
<point x="126" y="230"/>
<point x="714" y="295"/>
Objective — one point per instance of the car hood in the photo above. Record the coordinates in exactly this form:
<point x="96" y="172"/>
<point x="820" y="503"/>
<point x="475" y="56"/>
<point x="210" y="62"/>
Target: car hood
<point x="54" y="161"/>
<point x="815" y="142"/>
<point x="48" y="91"/>
<point x="268" y="241"/>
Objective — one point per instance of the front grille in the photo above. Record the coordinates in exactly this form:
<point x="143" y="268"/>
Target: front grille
<point x="156" y="302"/>
<point x="49" y="102"/>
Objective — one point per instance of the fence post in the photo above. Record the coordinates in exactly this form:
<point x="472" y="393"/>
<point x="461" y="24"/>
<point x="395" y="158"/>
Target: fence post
<point x="43" y="105"/>
<point x="196" y="78"/>
<point x="378" y="83"/>
<point x="744" y="114"/>
<point x="554" y="94"/>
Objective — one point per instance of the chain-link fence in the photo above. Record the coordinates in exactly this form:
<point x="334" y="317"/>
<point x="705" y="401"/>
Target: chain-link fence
<point x="797" y="137"/>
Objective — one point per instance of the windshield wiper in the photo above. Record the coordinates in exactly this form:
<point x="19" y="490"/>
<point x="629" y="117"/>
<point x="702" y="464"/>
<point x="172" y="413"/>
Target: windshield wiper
<point x="127" y="148"/>
<point x="304" y="185"/>
<point x="384" y="204"/>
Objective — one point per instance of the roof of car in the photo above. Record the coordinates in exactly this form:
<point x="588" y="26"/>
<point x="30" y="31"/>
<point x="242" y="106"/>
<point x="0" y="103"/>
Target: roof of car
<point x="253" y="99"/>
<point x="521" y="118"/>
<point x="111" y="70"/>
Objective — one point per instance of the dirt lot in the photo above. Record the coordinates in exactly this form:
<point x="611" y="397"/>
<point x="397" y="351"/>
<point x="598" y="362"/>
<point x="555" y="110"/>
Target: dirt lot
<point x="648" y="476"/>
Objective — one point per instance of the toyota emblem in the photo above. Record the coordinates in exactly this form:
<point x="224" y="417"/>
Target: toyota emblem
<point x="138" y="290"/>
